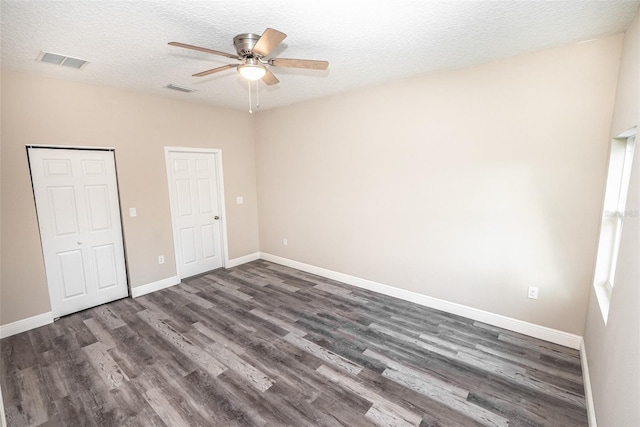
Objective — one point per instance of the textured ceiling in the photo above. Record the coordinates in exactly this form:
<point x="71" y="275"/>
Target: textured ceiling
<point x="366" y="42"/>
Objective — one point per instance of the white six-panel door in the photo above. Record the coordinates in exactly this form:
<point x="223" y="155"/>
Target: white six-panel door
<point x="196" y="211"/>
<point x="79" y="218"/>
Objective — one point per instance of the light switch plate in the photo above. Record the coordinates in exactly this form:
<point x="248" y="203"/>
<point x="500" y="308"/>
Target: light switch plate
<point x="133" y="212"/>
<point x="239" y="200"/>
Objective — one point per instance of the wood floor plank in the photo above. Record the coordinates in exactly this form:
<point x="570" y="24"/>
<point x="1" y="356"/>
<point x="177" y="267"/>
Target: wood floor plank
<point x="161" y="404"/>
<point x="182" y="344"/>
<point x="266" y="345"/>
<point x="216" y="397"/>
<point x="109" y="316"/>
<point x="440" y="391"/>
<point x="103" y="363"/>
<point x="192" y="297"/>
<point x="385" y="410"/>
<point x="324" y="354"/>
<point x="254" y="377"/>
<point x="272" y="406"/>
<point x="288" y="326"/>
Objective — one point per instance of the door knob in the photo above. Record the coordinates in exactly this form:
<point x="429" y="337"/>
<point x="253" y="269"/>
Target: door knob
<point x="216" y="217"/>
<point x="79" y="243"/>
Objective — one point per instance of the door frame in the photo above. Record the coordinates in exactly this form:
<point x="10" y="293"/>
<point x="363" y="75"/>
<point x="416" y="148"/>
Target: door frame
<point x="115" y="167"/>
<point x="217" y="158"/>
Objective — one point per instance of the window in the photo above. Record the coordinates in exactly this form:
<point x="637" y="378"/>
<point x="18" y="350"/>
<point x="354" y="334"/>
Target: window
<point x="615" y="198"/>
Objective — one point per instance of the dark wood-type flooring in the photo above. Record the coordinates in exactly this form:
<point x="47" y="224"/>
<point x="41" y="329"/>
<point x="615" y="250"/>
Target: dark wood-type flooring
<point x="261" y="344"/>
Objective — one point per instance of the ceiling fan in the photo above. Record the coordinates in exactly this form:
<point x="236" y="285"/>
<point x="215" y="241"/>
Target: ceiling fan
<point x="253" y="51"/>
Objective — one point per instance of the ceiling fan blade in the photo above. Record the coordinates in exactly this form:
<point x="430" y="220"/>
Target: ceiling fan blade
<point x="299" y="63"/>
<point x="215" y="70"/>
<point x="268" y="41"/>
<point x="204" y="49"/>
<point x="270" y="78"/>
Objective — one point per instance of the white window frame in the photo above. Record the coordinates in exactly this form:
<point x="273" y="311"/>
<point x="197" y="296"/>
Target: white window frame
<point x="617" y="188"/>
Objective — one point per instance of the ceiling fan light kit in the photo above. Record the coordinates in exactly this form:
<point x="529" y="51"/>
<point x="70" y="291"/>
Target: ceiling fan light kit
<point x="252" y="69"/>
<point x="253" y="51"/>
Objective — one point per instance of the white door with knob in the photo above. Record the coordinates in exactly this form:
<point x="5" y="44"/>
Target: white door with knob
<point x="76" y="197"/>
<point x="195" y="192"/>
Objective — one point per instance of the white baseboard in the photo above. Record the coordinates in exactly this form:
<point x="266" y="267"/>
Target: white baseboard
<point x="242" y="260"/>
<point x="586" y="379"/>
<point x="542" y="332"/>
<point x="24" y="325"/>
<point x="138" y="291"/>
<point x="526" y="328"/>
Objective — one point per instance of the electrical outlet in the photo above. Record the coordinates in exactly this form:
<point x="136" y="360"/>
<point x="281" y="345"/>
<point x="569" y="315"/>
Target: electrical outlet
<point x="161" y="259"/>
<point x="533" y="292"/>
<point x="285" y="241"/>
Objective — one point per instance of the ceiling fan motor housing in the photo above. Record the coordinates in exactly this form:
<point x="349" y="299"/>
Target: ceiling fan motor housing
<point x="244" y="44"/>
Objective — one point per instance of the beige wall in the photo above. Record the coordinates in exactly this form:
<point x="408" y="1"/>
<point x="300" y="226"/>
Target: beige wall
<point x="613" y="350"/>
<point x="38" y="110"/>
<point x="468" y="185"/>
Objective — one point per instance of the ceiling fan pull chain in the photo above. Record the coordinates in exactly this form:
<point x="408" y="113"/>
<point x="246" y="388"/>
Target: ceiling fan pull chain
<point x="250" y="110"/>
<point x="257" y="95"/>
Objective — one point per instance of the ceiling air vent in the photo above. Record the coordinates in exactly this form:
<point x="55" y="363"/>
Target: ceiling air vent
<point x="67" y="61"/>
<point x="180" y="88"/>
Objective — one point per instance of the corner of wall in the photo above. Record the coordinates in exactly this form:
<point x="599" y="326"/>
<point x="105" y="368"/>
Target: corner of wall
<point x="586" y="379"/>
